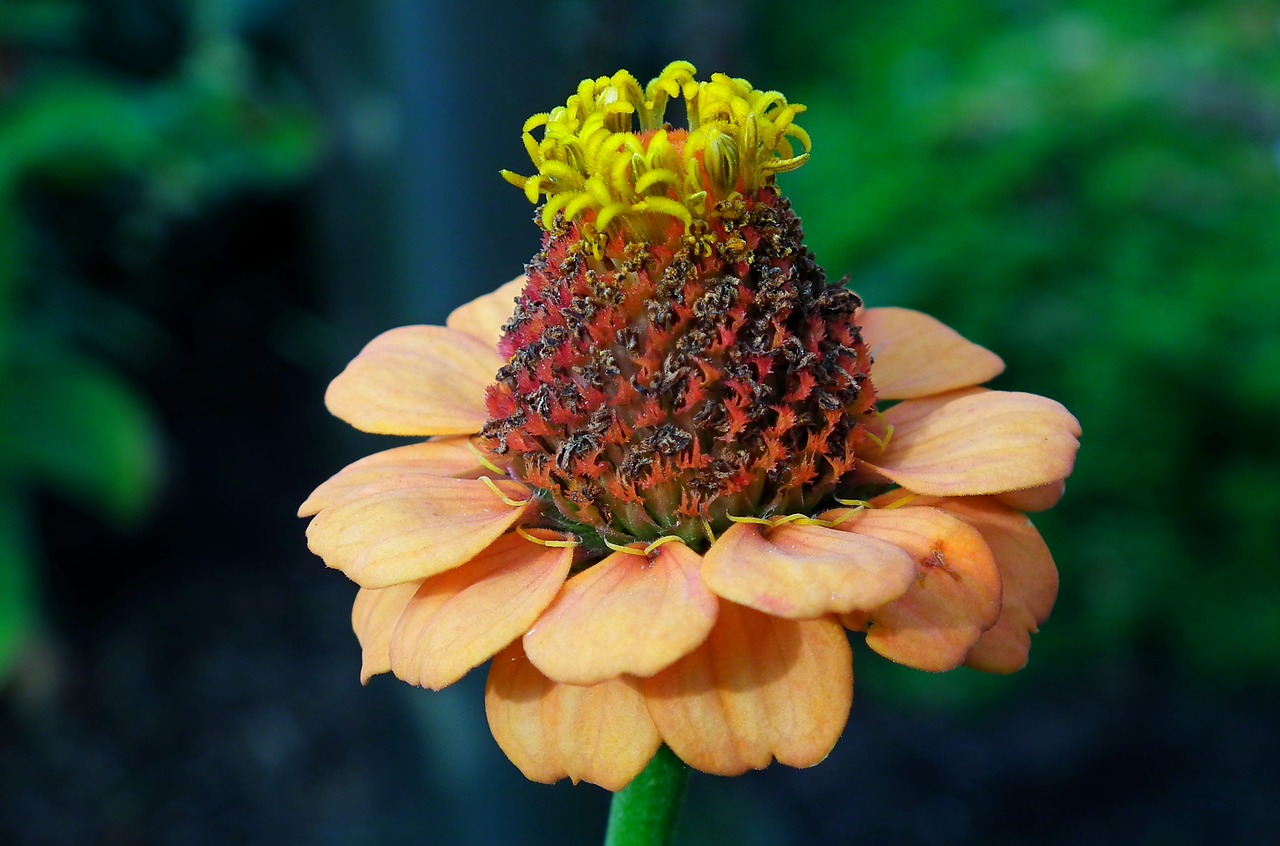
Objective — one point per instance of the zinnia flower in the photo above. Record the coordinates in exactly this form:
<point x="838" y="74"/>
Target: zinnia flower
<point x="671" y="465"/>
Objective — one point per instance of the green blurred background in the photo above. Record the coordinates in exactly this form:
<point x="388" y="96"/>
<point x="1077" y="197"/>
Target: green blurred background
<point x="208" y="206"/>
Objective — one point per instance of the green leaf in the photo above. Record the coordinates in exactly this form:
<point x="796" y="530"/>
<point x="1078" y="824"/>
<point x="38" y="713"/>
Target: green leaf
<point x="72" y="426"/>
<point x="39" y="21"/>
<point x="75" y="124"/>
<point x="19" y="611"/>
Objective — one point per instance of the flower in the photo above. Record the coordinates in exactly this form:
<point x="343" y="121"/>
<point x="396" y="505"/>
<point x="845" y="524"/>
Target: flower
<point x="671" y="465"/>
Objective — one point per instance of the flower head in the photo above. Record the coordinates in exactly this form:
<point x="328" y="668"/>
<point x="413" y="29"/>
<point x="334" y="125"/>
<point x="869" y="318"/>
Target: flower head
<point x="663" y="477"/>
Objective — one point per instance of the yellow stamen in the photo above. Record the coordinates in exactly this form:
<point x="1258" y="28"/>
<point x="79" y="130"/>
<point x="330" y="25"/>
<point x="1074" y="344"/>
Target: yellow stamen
<point x="648" y="550"/>
<point x="831" y="524"/>
<point x="480" y="457"/>
<point x="882" y="443"/>
<point x="758" y="520"/>
<point x="630" y="550"/>
<point x="853" y="503"/>
<point x="898" y="503"/>
<point x="554" y="544"/>
<point x="775" y="522"/>
<point x="493" y="486"/>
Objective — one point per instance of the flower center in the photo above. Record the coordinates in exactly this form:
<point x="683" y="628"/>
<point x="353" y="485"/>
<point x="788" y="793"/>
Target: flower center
<point x="677" y="357"/>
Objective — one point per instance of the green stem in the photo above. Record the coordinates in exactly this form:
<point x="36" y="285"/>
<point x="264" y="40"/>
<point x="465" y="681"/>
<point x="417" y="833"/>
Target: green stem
<point x="644" y="812"/>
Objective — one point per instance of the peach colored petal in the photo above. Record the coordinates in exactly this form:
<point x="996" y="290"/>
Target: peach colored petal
<point x="917" y="409"/>
<point x="601" y="733"/>
<point x="856" y="621"/>
<point x="1040" y="498"/>
<point x="484" y="317"/>
<point x="982" y="442"/>
<point x="460" y="618"/>
<point x="436" y="457"/>
<point x="416" y="380"/>
<point x="956" y="596"/>
<point x="760" y="688"/>
<point x="916" y="356"/>
<point x="374" y="615"/>
<point x="627" y="614"/>
<point x="411" y="526"/>
<point x="805" y="571"/>
<point x="1028" y="576"/>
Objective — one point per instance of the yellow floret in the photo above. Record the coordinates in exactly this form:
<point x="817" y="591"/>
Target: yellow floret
<point x="607" y="156"/>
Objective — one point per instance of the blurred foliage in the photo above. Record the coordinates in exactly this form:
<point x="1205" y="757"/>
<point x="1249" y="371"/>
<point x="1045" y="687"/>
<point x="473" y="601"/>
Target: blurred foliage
<point x="1091" y="189"/>
<point x="88" y="115"/>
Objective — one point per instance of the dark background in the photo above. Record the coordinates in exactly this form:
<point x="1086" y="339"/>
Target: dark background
<point x="207" y="207"/>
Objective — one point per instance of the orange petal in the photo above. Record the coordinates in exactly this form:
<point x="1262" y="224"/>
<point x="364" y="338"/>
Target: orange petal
<point x="416" y="380"/>
<point x="916" y="356"/>
<point x="436" y="457"/>
<point x="460" y="618"/>
<point x="484" y="317"/>
<point x="856" y="621"/>
<point x="760" y="688"/>
<point x="1028" y="576"/>
<point x="1041" y="498"/>
<point x="601" y="733"/>
<point x="627" y="614"/>
<point x="411" y="526"/>
<point x="978" y="442"/>
<point x="374" y="615"/>
<point x="805" y="571"/>
<point x="956" y="596"/>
